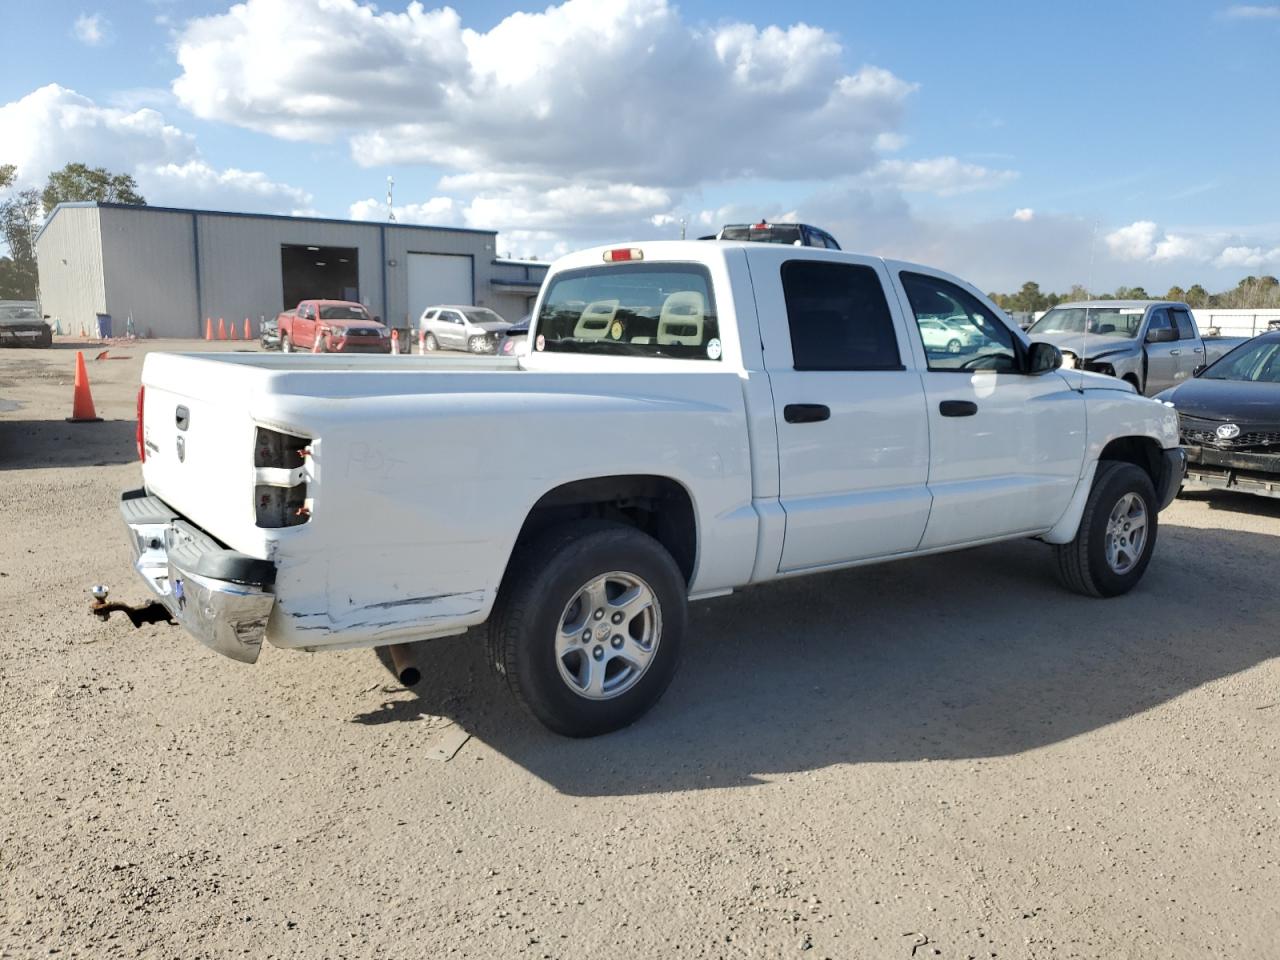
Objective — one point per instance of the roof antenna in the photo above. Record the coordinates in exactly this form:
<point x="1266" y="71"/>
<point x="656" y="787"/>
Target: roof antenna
<point x="1088" y="284"/>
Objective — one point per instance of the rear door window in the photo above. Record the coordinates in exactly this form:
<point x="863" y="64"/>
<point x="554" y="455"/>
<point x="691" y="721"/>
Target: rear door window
<point x="838" y="317"/>
<point x="634" y="309"/>
<point x="1186" y="329"/>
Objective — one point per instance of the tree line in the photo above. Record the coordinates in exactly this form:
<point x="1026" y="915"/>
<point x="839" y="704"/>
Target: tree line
<point x="22" y="213"/>
<point x="1251" y="293"/>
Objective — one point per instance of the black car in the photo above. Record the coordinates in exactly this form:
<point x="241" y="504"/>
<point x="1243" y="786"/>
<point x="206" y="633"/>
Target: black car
<point x="22" y="326"/>
<point x="791" y="234"/>
<point x="511" y="339"/>
<point x="1229" y="419"/>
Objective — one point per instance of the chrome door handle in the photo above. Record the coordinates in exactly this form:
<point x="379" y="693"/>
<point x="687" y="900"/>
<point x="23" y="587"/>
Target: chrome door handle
<point x="1175" y="353"/>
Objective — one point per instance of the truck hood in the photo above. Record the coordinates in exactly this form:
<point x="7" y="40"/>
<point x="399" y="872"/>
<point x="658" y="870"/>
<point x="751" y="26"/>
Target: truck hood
<point x="1097" y="344"/>
<point x="341" y="325"/>
<point x="1240" y="400"/>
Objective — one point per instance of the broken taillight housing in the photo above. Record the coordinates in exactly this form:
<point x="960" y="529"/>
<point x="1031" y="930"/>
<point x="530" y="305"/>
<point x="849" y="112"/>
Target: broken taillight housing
<point x="282" y="466"/>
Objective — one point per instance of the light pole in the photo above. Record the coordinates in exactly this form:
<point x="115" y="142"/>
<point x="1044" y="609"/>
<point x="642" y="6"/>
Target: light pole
<point x="391" y="211"/>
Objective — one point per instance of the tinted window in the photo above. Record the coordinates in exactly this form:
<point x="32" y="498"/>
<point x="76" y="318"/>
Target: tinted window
<point x="1159" y="320"/>
<point x="958" y="332"/>
<point x="342" y="312"/>
<point x="838" y="316"/>
<point x="634" y="309"/>
<point x="1186" y="329"/>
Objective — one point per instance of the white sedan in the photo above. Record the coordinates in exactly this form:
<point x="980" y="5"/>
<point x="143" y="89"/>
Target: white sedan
<point x="946" y="336"/>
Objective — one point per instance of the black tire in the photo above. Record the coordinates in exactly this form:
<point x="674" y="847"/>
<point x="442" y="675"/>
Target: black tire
<point x="477" y="345"/>
<point x="543" y="579"/>
<point x="286" y="345"/>
<point x="429" y="343"/>
<point x="953" y="346"/>
<point x="1082" y="564"/>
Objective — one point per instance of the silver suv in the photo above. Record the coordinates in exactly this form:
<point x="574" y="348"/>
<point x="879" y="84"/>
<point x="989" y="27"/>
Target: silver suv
<point x="473" y="329"/>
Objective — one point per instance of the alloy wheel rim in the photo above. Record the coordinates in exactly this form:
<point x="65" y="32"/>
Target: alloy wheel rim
<point x="608" y="635"/>
<point x="1126" y="536"/>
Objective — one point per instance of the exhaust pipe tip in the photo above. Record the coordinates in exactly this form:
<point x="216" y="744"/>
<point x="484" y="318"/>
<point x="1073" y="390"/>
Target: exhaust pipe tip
<point x="402" y="659"/>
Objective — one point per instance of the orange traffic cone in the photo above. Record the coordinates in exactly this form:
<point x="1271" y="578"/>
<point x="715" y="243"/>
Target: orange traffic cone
<point x="395" y="343"/>
<point x="234" y="335"/>
<point x="82" y="400"/>
<point x="208" y="328"/>
<point x="315" y="344"/>
<point x="222" y="329"/>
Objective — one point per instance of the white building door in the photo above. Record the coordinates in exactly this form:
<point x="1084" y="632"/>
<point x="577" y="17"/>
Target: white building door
<point x="438" y="278"/>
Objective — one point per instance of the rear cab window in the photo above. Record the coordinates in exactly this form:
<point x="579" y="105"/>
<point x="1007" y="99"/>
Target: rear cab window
<point x="838" y="317"/>
<point x="631" y="310"/>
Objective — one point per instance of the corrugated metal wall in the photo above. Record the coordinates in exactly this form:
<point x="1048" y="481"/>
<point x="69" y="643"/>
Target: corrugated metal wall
<point x="240" y="272"/>
<point x="150" y="271"/>
<point x="402" y="241"/>
<point x="69" y="258"/>
<point x="172" y="268"/>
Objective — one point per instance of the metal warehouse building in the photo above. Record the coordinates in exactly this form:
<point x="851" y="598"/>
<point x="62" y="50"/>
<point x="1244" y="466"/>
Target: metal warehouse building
<point x="170" y="269"/>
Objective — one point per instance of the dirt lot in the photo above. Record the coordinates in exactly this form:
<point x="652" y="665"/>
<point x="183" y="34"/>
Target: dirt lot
<point x="948" y="757"/>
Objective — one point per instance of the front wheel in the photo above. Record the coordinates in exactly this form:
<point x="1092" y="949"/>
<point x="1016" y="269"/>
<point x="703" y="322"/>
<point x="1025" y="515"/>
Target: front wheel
<point x="588" y="626"/>
<point x="478" y="344"/>
<point x="429" y="343"/>
<point x="1117" y="533"/>
<point x="286" y="345"/>
<point x="953" y="346"/>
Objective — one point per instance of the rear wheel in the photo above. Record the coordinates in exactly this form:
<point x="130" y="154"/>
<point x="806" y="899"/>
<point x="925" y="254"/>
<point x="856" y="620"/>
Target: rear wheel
<point x="1117" y="533"/>
<point x="286" y="345"/>
<point x="588" y="626"/>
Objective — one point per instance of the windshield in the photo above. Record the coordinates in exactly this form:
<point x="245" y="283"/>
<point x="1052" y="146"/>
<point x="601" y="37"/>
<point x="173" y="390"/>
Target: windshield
<point x="481" y="315"/>
<point x="343" y="312"/>
<point x="788" y="233"/>
<point x="1120" y="322"/>
<point x="1256" y="362"/>
<point x="631" y="310"/>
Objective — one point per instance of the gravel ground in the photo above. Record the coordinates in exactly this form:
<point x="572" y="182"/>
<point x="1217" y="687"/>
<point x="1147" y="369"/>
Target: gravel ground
<point x="948" y="757"/>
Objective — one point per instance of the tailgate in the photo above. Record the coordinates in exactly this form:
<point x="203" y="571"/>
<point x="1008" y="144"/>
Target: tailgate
<point x="200" y="444"/>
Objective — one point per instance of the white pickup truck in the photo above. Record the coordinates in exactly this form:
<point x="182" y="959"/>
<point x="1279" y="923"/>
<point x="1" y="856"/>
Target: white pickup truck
<point x="687" y="418"/>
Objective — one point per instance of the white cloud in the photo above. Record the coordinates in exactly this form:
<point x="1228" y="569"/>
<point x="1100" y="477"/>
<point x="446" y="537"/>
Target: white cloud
<point x="196" y="183"/>
<point x="637" y="95"/>
<point x="437" y="211"/>
<point x="1024" y="214"/>
<point x="1137" y="241"/>
<point x="1147" y="241"/>
<point x="93" y="30"/>
<point x="53" y="126"/>
<point x="944" y="176"/>
<point x="1253" y="12"/>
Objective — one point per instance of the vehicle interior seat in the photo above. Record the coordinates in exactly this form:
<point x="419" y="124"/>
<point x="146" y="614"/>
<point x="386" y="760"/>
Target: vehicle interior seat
<point x="595" y="320"/>
<point x="682" y="318"/>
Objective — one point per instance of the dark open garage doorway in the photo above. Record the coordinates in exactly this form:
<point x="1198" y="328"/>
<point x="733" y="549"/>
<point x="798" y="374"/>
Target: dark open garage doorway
<point x="318" y="273"/>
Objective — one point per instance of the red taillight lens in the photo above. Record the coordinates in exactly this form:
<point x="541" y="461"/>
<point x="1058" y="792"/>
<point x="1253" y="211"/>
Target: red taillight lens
<point x="142" y="447"/>
<point x="623" y="254"/>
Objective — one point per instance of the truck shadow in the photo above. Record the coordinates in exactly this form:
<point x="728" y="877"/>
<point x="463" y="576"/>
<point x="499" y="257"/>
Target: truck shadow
<point x="1229" y="500"/>
<point x="966" y="656"/>
<point x="40" y="444"/>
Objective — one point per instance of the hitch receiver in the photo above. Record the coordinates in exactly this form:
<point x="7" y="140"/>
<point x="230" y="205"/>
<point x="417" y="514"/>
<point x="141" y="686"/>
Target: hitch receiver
<point x="153" y="612"/>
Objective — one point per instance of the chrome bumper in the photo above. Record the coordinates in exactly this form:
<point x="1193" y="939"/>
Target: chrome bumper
<point x="221" y="597"/>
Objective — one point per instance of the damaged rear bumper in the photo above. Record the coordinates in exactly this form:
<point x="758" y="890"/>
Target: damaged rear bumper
<point x="222" y="598"/>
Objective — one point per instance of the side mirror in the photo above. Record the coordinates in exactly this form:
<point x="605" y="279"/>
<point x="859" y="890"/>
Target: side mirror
<point x="1162" y="335"/>
<point x="1200" y="369"/>
<point x="1043" y="357"/>
<point x="377" y="319"/>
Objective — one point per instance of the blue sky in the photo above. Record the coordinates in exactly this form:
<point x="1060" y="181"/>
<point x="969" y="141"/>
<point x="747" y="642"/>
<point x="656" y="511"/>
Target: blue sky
<point x="1094" y="143"/>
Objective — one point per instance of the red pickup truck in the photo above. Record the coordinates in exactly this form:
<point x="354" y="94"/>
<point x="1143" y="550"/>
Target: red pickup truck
<point x="332" y="326"/>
